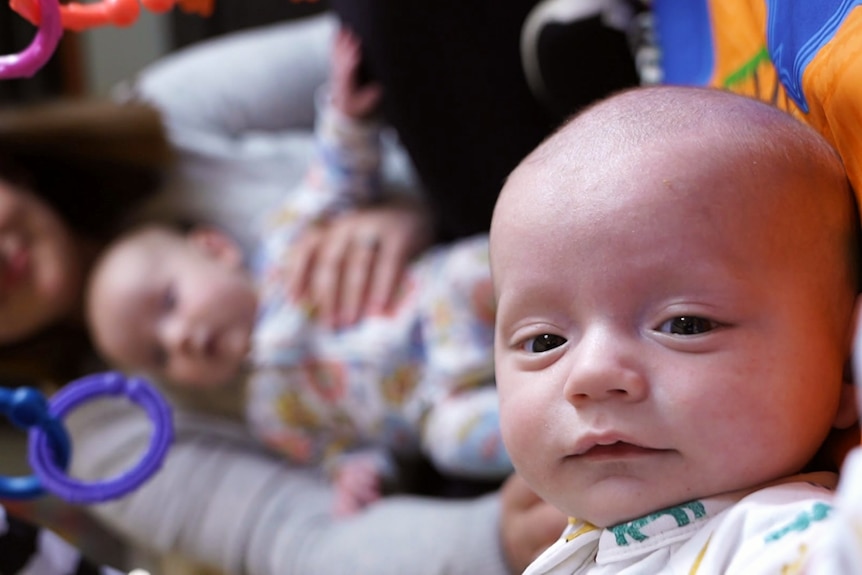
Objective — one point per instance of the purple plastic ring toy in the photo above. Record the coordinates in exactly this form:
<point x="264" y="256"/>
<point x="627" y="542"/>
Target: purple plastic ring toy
<point x="85" y="389"/>
<point x="30" y="60"/>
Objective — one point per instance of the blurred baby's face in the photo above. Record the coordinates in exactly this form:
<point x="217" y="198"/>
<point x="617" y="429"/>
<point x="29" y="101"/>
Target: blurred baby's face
<point x="40" y="268"/>
<point x="169" y="306"/>
<point x="656" y="340"/>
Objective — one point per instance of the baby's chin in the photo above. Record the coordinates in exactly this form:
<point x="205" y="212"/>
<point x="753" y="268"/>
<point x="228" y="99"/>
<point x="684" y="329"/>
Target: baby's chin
<point x="619" y="509"/>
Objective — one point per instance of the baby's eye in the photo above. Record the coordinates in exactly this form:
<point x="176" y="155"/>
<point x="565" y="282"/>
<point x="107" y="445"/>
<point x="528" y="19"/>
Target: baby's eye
<point x="543" y="343"/>
<point x="687" y="325"/>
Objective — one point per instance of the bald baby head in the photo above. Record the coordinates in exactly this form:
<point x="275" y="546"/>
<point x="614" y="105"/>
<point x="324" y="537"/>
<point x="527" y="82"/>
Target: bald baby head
<point x="736" y="158"/>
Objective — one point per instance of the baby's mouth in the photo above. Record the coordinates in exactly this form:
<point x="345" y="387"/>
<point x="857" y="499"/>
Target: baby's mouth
<point x="232" y="342"/>
<point x="618" y="450"/>
<point x="14" y="263"/>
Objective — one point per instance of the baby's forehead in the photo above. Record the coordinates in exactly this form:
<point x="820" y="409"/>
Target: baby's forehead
<point x="147" y="243"/>
<point x="134" y="258"/>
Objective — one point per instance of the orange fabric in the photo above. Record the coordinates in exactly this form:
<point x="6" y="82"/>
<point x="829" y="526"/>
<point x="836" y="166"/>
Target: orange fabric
<point x="832" y="81"/>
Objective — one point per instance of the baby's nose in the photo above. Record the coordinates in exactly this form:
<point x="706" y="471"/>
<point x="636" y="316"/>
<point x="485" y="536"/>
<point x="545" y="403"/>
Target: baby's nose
<point x="601" y="371"/>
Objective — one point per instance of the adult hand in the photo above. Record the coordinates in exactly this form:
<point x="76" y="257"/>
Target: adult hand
<point x="357" y="483"/>
<point x="350" y="95"/>
<point x="528" y="525"/>
<point x="353" y="264"/>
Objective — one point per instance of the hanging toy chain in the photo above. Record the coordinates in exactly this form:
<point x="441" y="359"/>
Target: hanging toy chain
<point x="30" y="60"/>
<point x="26" y="408"/>
<point x="49" y="447"/>
<point x="52" y="18"/>
<point x="78" y="17"/>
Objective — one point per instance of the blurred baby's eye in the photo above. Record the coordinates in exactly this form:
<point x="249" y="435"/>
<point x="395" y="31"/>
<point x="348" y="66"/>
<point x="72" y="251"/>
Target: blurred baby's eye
<point x="687" y="325"/>
<point x="158" y="358"/>
<point x="169" y="298"/>
<point x="543" y="343"/>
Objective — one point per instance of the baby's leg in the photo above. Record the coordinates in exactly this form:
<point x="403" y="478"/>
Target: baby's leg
<point x="461" y="431"/>
<point x="461" y="435"/>
<point x="458" y="315"/>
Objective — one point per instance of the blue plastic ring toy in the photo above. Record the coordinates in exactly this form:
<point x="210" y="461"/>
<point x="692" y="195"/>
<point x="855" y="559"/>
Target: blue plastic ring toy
<point x="85" y="389"/>
<point x="26" y="408"/>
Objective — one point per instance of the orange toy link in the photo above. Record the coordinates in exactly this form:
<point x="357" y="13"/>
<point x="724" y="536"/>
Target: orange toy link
<point x="120" y="13"/>
<point x="199" y="7"/>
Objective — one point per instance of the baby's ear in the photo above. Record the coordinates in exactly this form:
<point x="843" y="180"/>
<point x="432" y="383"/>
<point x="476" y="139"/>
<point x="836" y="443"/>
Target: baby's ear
<point x="848" y="409"/>
<point x="848" y="412"/>
<point x="216" y="244"/>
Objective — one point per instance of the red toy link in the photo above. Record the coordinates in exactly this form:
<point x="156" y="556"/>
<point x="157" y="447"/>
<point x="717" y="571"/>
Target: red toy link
<point x="120" y="13"/>
<point x="78" y="17"/>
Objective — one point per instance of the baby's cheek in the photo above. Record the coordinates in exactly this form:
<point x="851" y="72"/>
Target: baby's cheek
<point x="518" y="428"/>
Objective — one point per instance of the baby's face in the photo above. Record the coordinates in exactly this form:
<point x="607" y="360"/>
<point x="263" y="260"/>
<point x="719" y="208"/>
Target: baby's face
<point x="657" y="342"/>
<point x="165" y="305"/>
<point x="40" y="267"/>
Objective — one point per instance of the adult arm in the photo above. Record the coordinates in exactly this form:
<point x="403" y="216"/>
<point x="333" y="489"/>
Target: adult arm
<point x="257" y="80"/>
<point x="220" y="501"/>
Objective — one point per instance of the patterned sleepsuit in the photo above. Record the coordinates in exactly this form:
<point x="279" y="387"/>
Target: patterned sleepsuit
<point x="418" y="376"/>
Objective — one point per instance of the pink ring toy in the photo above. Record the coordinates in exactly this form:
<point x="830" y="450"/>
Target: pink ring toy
<point x="30" y="60"/>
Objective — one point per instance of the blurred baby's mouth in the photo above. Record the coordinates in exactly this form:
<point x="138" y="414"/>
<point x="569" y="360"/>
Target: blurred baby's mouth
<point x="14" y="263"/>
<point x="235" y="342"/>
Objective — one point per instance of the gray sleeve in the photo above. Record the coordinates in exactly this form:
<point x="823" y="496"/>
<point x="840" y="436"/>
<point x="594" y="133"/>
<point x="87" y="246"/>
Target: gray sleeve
<point x="239" y="110"/>
<point x="220" y="501"/>
<point x="257" y="80"/>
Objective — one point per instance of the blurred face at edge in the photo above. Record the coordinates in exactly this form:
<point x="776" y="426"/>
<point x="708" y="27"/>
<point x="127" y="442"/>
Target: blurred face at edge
<point x="40" y="267"/>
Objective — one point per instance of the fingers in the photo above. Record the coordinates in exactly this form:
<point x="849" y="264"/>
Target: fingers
<point x="360" y="267"/>
<point x="354" y="265"/>
<point x="384" y="282"/>
<point x="357" y="483"/>
<point x="364" y="100"/>
<point x="326" y="279"/>
<point x="517" y="495"/>
<point x="528" y="525"/>
<point x="349" y="94"/>
<point x="338" y="275"/>
<point x="301" y="262"/>
<point x="408" y="233"/>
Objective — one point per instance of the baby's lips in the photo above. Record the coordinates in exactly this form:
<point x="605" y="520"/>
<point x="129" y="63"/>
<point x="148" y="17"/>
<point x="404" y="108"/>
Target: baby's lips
<point x="14" y="263"/>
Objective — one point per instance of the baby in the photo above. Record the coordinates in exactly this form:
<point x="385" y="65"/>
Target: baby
<point x="190" y="310"/>
<point x="676" y="274"/>
<point x="182" y="308"/>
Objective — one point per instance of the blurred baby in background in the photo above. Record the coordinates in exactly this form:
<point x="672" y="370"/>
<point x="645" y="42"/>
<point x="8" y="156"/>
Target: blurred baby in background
<point x="186" y="307"/>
